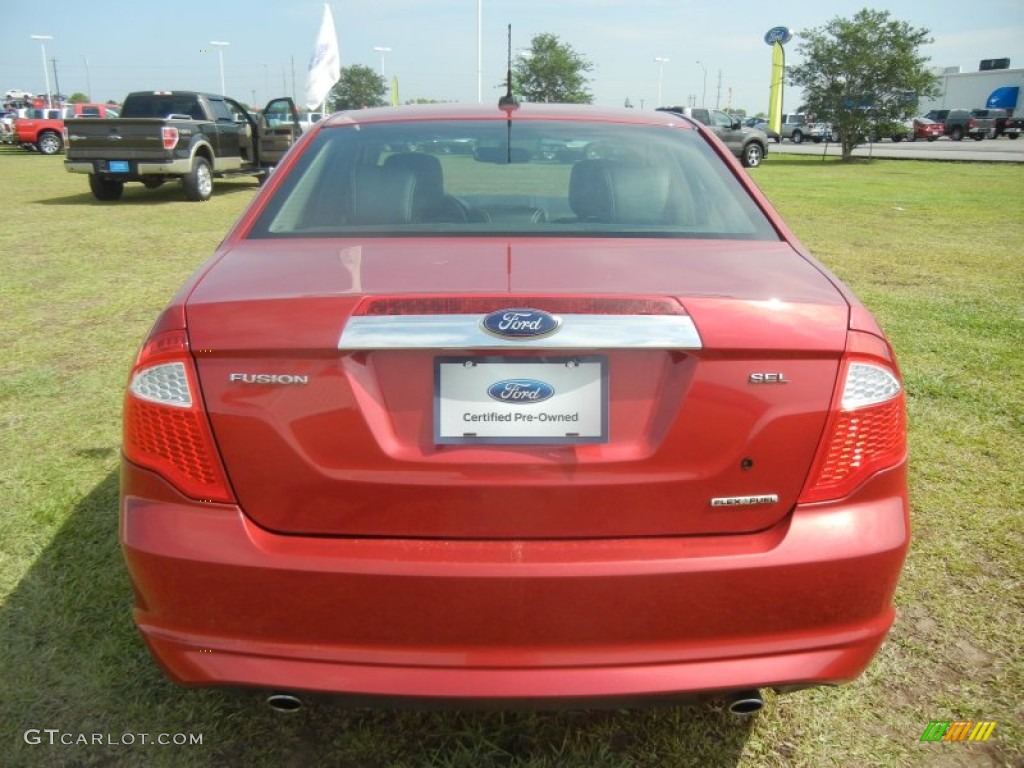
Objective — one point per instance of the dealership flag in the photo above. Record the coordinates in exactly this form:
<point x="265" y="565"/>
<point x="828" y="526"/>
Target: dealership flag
<point x="325" y="65"/>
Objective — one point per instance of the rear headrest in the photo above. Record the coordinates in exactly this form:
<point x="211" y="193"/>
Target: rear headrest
<point x="607" y="191"/>
<point x="381" y="195"/>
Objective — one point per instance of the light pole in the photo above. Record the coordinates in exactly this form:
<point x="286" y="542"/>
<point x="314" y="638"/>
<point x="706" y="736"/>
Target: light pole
<point x="221" y="45"/>
<point x="662" y="61"/>
<point x="704" y="93"/>
<point x="382" y="50"/>
<point x="479" y="52"/>
<point x="46" y="74"/>
<point x="88" y="79"/>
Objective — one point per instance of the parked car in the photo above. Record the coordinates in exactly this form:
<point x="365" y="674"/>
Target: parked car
<point x="491" y="427"/>
<point x="307" y="119"/>
<point x="762" y="125"/>
<point x="794" y="127"/>
<point x="182" y="136"/>
<point x="995" y="119"/>
<point x="958" y="123"/>
<point x="819" y="132"/>
<point x="43" y="129"/>
<point x="1013" y="127"/>
<point x="7" y="119"/>
<point x="920" y="128"/>
<point x="750" y="145"/>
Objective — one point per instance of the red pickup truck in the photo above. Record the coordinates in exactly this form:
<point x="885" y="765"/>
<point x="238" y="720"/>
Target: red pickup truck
<point x="43" y="129"/>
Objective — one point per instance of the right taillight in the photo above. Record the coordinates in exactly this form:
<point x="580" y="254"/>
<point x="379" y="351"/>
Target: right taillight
<point x="165" y="425"/>
<point x="170" y="136"/>
<point x="867" y="429"/>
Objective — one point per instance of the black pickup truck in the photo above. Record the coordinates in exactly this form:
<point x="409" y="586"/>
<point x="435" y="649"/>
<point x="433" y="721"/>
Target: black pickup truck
<point x="1012" y="128"/>
<point x="169" y="135"/>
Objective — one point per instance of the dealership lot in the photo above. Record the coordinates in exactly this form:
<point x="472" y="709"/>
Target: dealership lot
<point x="988" y="151"/>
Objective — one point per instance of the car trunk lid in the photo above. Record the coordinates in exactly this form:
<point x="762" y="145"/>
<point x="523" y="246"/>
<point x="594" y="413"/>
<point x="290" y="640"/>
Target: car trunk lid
<point x="714" y="397"/>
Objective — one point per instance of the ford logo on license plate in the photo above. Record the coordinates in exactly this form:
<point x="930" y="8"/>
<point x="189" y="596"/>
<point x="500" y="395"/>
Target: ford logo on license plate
<point x="521" y="323"/>
<point x="520" y="391"/>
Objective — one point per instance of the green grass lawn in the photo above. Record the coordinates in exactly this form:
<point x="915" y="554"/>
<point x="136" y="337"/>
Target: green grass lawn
<point x="935" y="250"/>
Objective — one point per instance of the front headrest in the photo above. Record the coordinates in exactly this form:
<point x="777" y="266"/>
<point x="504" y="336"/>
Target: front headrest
<point x="427" y="169"/>
<point x="614" y="192"/>
<point x="382" y="195"/>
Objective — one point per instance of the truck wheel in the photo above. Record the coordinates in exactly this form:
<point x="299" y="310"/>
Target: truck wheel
<point x="198" y="183"/>
<point x="1012" y="135"/>
<point x="753" y="154"/>
<point x="797" y="137"/>
<point x="105" y="189"/>
<point x="956" y="133"/>
<point x="49" y="143"/>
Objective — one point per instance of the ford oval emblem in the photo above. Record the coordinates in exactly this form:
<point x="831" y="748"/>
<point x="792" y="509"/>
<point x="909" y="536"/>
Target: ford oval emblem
<point x="521" y="323"/>
<point x="520" y="391"/>
<point x="778" y="35"/>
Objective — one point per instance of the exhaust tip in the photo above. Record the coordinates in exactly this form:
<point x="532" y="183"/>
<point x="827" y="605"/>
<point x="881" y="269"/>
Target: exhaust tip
<point x="744" y="702"/>
<point x="284" y="702"/>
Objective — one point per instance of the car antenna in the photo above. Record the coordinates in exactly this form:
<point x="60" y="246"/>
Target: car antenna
<point x="508" y="101"/>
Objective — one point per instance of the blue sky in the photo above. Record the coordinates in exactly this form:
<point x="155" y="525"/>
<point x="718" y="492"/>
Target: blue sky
<point x="120" y="46"/>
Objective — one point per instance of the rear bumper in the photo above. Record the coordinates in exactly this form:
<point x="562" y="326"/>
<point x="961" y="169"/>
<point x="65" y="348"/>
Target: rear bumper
<point x="178" y="167"/>
<point x="221" y="601"/>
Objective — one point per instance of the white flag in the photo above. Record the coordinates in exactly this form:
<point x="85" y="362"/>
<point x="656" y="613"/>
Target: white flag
<point x="325" y="65"/>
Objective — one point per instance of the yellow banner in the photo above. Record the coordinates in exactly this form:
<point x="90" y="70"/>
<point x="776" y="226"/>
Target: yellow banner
<point x="775" y="94"/>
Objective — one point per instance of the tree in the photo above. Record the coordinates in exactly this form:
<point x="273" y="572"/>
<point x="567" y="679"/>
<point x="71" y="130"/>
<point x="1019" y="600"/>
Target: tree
<point x="359" y="87"/>
<point x="78" y="98"/>
<point x="551" y="71"/>
<point x="862" y="74"/>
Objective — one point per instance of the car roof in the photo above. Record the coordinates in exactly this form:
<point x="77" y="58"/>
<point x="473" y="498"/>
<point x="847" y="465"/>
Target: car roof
<point x="567" y="112"/>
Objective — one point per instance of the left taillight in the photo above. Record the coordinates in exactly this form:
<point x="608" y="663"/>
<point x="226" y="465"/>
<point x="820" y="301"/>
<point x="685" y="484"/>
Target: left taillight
<point x="867" y="429"/>
<point x="165" y="424"/>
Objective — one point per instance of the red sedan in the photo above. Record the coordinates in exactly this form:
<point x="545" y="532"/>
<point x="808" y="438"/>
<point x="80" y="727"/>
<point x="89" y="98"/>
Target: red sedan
<point x="921" y="128"/>
<point x="452" y="416"/>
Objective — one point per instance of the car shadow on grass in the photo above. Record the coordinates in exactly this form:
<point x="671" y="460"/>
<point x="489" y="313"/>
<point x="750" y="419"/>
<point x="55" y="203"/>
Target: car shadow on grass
<point x="80" y="689"/>
<point x="168" y="193"/>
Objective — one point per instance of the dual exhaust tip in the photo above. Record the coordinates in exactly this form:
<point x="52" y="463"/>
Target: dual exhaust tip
<point x="740" y="703"/>
<point x="284" y="702"/>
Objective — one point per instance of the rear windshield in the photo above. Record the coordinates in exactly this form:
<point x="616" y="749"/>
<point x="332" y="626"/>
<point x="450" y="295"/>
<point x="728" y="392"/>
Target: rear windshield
<point x="527" y="177"/>
<point x="161" y="105"/>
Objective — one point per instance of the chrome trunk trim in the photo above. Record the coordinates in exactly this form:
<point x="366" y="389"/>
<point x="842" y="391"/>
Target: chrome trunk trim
<point x="465" y="332"/>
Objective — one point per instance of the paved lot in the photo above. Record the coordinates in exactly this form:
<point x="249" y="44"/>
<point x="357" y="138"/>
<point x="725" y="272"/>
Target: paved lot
<point x="1001" y="150"/>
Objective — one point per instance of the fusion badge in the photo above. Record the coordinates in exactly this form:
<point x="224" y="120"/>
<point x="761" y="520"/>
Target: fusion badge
<point x="267" y="378"/>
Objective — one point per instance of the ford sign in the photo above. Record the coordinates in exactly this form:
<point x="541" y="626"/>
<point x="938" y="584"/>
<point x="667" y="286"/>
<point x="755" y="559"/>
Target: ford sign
<point x="520" y="391"/>
<point x="778" y="35"/>
<point x="520" y="323"/>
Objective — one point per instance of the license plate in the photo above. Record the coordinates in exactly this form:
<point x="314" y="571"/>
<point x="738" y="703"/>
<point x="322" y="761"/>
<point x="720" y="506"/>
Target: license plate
<point x="521" y="400"/>
<point x="118" y="166"/>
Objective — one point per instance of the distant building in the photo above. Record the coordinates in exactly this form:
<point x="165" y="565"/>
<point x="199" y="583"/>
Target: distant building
<point x="993" y="86"/>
